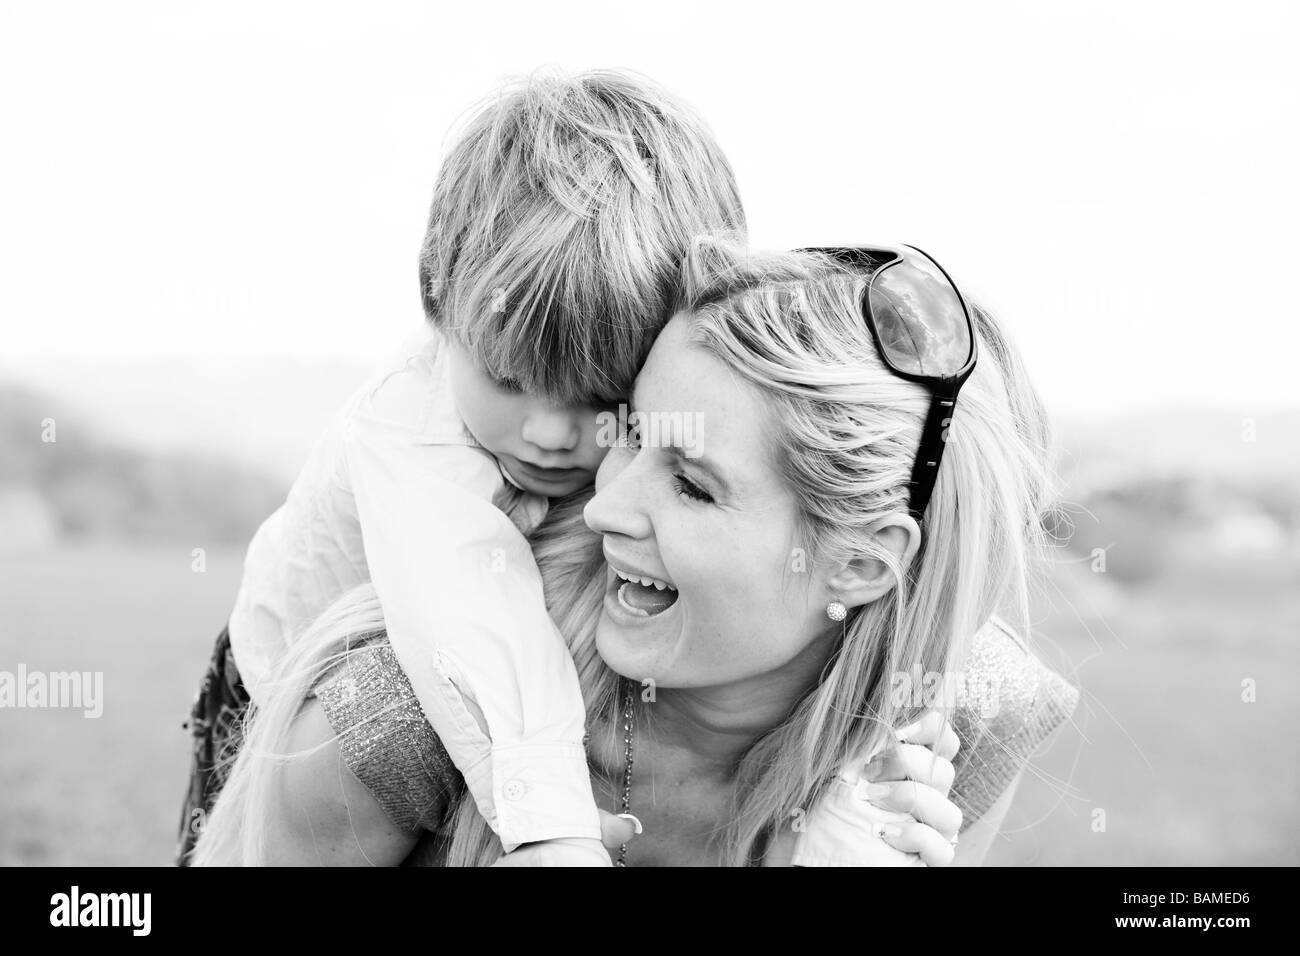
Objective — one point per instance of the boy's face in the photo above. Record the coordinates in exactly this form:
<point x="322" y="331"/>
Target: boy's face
<point x="549" y="449"/>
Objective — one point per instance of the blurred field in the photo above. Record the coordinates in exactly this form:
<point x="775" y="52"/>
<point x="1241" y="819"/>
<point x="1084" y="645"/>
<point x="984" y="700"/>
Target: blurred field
<point x="105" y="791"/>
<point x="1186" y="772"/>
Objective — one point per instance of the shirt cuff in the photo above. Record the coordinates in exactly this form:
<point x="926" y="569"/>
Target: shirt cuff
<point x="842" y="830"/>
<point x="540" y="792"/>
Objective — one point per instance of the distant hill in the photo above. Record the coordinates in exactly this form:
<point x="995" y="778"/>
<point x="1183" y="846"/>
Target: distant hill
<point x="262" y="413"/>
<point x="1237" y="446"/>
<point x="186" y="449"/>
<point x="1159" y="491"/>
<point x="84" y="484"/>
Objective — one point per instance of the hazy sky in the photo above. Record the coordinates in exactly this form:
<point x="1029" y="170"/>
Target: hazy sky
<point x="250" y="180"/>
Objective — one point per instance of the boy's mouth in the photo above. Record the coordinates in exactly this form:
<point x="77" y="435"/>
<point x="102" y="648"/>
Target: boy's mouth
<point x="549" y="476"/>
<point x="642" y="595"/>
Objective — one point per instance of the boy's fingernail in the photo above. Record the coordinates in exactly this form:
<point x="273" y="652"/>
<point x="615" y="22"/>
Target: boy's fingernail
<point x="878" y="791"/>
<point x="893" y="830"/>
<point x="636" y="824"/>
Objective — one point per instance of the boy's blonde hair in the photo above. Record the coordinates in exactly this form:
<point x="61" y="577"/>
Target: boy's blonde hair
<point x="559" y="222"/>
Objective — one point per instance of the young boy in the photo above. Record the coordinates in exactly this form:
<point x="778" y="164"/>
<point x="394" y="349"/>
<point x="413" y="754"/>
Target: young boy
<point x="549" y="264"/>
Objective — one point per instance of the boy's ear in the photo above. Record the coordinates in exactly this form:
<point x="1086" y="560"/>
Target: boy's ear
<point x="863" y="580"/>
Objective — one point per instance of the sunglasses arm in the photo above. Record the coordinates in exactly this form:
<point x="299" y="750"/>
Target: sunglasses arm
<point x="934" y="438"/>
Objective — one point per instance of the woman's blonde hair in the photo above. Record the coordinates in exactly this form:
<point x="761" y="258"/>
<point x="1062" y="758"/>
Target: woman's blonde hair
<point x="790" y="325"/>
<point x="559" y="222"/>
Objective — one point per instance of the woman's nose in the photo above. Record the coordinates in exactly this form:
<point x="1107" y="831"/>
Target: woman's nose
<point x="617" y="507"/>
<point x="551" y="429"/>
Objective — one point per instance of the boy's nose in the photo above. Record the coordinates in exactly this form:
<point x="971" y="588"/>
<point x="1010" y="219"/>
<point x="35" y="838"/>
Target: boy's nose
<point x="551" y="430"/>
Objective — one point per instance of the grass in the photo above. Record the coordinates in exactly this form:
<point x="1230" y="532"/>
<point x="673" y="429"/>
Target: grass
<point x="105" y="791"/>
<point x="1185" y="772"/>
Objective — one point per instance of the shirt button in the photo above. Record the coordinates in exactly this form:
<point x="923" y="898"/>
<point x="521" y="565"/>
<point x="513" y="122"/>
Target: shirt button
<point x="515" y="789"/>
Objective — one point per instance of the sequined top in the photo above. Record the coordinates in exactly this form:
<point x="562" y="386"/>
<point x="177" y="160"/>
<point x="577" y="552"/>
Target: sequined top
<point x="1013" y="702"/>
<point x="1009" y="702"/>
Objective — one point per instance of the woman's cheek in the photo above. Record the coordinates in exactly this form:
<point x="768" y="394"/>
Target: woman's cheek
<point x="734" y="607"/>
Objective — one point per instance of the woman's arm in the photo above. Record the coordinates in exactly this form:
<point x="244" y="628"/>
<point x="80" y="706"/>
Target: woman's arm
<point x="1015" y="705"/>
<point x="325" y="815"/>
<point x="369" y="776"/>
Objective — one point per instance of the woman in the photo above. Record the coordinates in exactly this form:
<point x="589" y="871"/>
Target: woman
<point x="791" y="585"/>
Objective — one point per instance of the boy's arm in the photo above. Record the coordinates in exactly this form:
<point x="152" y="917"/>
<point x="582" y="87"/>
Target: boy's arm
<point x="467" y="620"/>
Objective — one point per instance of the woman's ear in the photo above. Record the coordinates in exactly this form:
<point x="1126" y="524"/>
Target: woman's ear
<point x="864" y="580"/>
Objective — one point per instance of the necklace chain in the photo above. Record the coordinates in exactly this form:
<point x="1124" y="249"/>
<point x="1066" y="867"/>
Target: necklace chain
<point x="628" y="716"/>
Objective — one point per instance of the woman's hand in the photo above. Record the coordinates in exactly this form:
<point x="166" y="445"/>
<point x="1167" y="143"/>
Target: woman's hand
<point x="915" y="780"/>
<point x="892" y="811"/>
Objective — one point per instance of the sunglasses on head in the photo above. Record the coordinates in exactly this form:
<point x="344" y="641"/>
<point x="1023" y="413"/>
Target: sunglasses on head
<point x="923" y="329"/>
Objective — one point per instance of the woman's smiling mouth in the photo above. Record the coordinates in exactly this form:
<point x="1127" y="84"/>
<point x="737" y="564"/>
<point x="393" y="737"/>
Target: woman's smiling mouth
<point x="641" y="595"/>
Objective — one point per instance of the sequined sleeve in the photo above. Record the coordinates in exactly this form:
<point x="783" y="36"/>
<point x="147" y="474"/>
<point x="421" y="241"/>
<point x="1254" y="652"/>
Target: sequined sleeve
<point x="1012" y="704"/>
<point x="385" y="740"/>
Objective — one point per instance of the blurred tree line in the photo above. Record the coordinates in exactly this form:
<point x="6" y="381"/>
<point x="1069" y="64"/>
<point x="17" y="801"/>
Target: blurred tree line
<point x="60" y="479"/>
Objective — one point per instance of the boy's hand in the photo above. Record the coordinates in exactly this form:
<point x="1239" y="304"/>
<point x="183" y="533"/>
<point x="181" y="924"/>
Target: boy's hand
<point x="614" y="832"/>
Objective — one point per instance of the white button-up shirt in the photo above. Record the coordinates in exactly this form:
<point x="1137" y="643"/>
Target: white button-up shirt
<point x="399" y="493"/>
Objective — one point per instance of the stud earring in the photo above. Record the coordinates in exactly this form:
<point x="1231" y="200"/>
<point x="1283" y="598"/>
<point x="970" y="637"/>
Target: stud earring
<point x="836" y="611"/>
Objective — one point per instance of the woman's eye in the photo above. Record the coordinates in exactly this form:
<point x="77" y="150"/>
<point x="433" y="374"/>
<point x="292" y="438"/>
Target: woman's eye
<point x="690" y="489"/>
<point x="509" y="385"/>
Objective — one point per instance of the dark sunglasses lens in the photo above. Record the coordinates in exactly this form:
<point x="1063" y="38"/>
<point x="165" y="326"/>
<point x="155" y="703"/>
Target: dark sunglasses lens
<point x="920" y="320"/>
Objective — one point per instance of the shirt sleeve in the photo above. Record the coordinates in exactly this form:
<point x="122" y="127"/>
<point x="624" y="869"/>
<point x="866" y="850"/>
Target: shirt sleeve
<point x="385" y="740"/>
<point x="1013" y="704"/>
<point x="467" y="619"/>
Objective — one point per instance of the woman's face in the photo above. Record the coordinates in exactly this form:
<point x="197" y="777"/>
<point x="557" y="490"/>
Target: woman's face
<point x="713" y="524"/>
